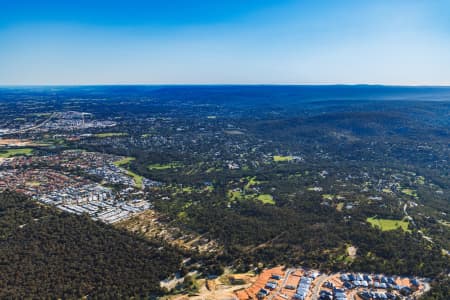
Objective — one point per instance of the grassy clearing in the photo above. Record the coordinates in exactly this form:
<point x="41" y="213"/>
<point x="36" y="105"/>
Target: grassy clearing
<point x="7" y="153"/>
<point x="238" y="195"/>
<point x="187" y="189"/>
<point x="409" y="192"/>
<point x="386" y="224"/>
<point x="209" y="188"/>
<point x="420" y="180"/>
<point x="159" y="167"/>
<point x="314" y="189"/>
<point x="234" y="195"/>
<point x="110" y="134"/>
<point x="281" y="158"/>
<point x="137" y="178"/>
<point x="266" y="199"/>
<point x="328" y="197"/>
<point x="123" y="163"/>
<point x="251" y="181"/>
<point x="210" y="170"/>
<point x="445" y="223"/>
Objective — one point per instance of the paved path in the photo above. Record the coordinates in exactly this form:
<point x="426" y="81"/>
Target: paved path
<point x="319" y="282"/>
<point x="278" y="290"/>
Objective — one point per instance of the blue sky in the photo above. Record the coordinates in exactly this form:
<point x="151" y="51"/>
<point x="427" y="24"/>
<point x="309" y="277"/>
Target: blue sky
<point x="225" y="42"/>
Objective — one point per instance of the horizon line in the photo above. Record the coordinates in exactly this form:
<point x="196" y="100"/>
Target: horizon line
<point x="223" y="84"/>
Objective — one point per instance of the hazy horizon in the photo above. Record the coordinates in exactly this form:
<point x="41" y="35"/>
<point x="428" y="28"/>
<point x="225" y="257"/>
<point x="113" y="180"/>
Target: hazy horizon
<point x="400" y="43"/>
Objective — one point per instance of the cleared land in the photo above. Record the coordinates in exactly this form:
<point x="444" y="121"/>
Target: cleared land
<point x="16" y="142"/>
<point x="123" y="164"/>
<point x="15" y="152"/>
<point x="110" y="134"/>
<point x="386" y="224"/>
<point x="237" y="195"/>
<point x="124" y="161"/>
<point x="409" y="192"/>
<point x="171" y="165"/>
<point x="266" y="199"/>
<point x="279" y="158"/>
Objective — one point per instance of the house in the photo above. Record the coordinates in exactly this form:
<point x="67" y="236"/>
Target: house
<point x="367" y="277"/>
<point x="365" y="295"/>
<point x="325" y="295"/>
<point x="271" y="285"/>
<point x="348" y="285"/>
<point x="406" y="291"/>
<point x="263" y="292"/>
<point x="415" y="282"/>
<point x="276" y="277"/>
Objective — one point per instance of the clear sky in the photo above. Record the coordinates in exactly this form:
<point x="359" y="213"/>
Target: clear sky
<point x="229" y="42"/>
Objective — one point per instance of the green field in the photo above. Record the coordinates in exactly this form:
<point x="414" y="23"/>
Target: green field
<point x="237" y="195"/>
<point x="137" y="178"/>
<point x="110" y="134"/>
<point x="266" y="199"/>
<point x="409" y="192"/>
<point x="159" y="167"/>
<point x="386" y="224"/>
<point x="124" y="162"/>
<point x="15" y="152"/>
<point x="279" y="158"/>
<point x="420" y="180"/>
<point x="234" y="195"/>
<point x="251" y="182"/>
<point x="328" y="197"/>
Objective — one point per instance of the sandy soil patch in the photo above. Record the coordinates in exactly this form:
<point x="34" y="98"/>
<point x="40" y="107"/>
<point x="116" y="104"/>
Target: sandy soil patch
<point x="15" y="142"/>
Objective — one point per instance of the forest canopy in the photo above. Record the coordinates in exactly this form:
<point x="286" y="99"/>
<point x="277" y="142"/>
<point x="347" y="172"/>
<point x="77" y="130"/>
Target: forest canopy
<point x="43" y="252"/>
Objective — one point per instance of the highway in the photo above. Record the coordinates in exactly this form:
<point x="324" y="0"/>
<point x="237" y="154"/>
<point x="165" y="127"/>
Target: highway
<point x="35" y="126"/>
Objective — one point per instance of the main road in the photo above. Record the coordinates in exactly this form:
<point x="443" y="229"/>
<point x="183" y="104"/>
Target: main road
<point x="35" y="126"/>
